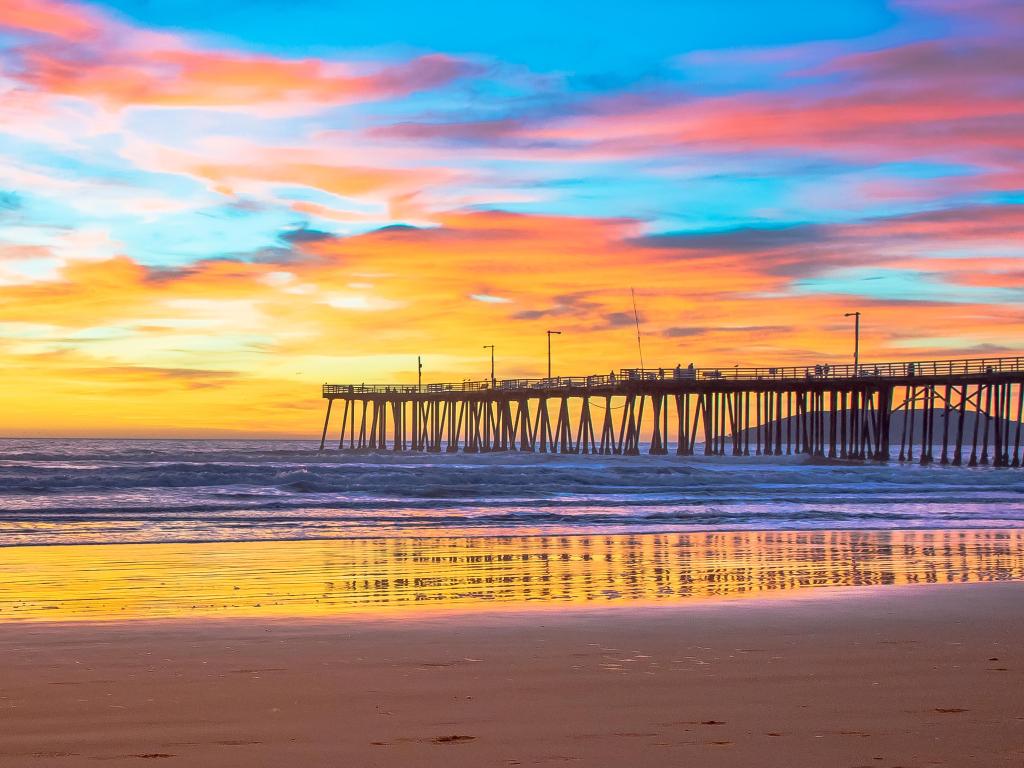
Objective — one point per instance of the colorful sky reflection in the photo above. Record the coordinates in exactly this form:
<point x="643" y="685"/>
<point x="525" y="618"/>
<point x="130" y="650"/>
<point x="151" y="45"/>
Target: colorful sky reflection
<point x="405" y="577"/>
<point x="208" y="209"/>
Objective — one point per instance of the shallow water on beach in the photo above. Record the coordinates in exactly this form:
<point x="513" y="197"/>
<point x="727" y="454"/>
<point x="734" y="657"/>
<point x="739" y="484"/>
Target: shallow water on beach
<point x="113" y="491"/>
<point x="404" y="576"/>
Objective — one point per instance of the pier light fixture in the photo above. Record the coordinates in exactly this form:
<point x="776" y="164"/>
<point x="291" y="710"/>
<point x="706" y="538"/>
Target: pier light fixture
<point x="856" y="340"/>
<point x="491" y="347"/>
<point x="550" y="334"/>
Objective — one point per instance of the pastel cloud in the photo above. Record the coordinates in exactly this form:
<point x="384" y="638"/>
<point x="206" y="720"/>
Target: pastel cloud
<point x="66" y="21"/>
<point x="239" y="166"/>
<point x="955" y="98"/>
<point x="930" y="113"/>
<point x="115" y="65"/>
<point x="181" y="77"/>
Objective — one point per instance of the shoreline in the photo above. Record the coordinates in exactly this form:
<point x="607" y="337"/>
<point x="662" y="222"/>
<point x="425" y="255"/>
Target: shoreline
<point x="495" y="615"/>
<point x="482" y="532"/>
<point x="848" y="677"/>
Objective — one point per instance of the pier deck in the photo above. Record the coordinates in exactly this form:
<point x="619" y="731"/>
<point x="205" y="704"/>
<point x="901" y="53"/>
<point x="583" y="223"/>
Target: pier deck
<point x="838" y="411"/>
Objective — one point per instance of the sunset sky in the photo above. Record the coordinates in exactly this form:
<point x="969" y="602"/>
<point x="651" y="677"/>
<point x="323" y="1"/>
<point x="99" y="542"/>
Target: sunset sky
<point x="207" y="209"/>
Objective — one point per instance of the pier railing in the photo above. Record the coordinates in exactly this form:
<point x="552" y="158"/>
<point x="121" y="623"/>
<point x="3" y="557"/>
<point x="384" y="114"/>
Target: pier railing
<point x="973" y="408"/>
<point x="826" y="371"/>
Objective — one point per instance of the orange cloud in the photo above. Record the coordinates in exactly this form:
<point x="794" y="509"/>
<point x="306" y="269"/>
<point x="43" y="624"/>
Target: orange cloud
<point x="116" y="65"/>
<point x="184" y="77"/>
<point x="277" y="167"/>
<point x="237" y="345"/>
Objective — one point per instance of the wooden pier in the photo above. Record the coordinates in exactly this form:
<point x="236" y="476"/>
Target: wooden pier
<point x="967" y="411"/>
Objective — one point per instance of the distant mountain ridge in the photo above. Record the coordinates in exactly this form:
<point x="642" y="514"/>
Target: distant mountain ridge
<point x="915" y="431"/>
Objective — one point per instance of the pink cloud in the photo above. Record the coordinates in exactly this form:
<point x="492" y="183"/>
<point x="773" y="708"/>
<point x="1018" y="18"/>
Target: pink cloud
<point x="960" y="99"/>
<point x="184" y="77"/>
<point x="116" y="65"/>
<point x="867" y="124"/>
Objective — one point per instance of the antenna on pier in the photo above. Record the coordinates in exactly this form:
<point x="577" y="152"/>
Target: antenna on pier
<point x="636" y="317"/>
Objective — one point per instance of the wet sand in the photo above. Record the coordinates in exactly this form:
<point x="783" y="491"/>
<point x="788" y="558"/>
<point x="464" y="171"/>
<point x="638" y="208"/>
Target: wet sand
<point x="871" y="676"/>
<point x="402" y="574"/>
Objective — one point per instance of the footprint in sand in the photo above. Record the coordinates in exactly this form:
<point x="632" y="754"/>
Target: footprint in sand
<point x="452" y="739"/>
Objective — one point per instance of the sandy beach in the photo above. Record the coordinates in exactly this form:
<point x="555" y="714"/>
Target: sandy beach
<point x="877" y="676"/>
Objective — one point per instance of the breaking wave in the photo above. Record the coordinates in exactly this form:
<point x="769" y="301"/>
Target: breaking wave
<point x="75" y="491"/>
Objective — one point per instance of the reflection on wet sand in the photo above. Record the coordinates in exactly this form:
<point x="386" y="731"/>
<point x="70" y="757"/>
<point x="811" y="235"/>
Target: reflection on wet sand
<point x="384" y="576"/>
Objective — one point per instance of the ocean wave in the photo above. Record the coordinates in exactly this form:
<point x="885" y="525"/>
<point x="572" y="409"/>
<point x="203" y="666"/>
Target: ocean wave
<point x="492" y="475"/>
<point x="163" y="490"/>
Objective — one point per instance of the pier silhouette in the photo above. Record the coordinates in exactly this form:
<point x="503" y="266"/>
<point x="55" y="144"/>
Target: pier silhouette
<point x="970" y="412"/>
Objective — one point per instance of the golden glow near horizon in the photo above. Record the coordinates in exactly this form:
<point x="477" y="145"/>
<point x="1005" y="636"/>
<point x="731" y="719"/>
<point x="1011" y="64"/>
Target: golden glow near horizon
<point x="406" y="576"/>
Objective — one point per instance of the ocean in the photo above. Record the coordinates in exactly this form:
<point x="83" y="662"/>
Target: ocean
<point x="147" y="491"/>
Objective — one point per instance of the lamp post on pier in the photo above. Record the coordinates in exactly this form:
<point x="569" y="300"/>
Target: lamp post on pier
<point x="856" y="341"/>
<point x="550" y="334"/>
<point x="491" y="347"/>
<point x="419" y="373"/>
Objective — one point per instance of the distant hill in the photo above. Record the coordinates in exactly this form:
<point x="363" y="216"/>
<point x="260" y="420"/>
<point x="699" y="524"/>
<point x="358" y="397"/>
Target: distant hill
<point x="896" y="427"/>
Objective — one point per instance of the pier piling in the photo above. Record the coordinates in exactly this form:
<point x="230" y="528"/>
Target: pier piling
<point x="837" y="412"/>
